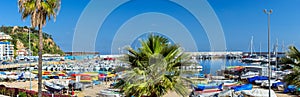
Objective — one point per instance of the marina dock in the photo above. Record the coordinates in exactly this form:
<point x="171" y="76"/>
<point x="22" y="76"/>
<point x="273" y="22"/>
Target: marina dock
<point x="20" y="65"/>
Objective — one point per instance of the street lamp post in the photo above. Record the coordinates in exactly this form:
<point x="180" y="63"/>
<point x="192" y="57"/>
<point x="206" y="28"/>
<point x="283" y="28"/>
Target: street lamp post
<point x="29" y="53"/>
<point x="269" y="54"/>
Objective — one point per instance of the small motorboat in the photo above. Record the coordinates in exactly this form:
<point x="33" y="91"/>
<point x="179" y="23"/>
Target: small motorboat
<point x="53" y="87"/>
<point x="201" y="87"/>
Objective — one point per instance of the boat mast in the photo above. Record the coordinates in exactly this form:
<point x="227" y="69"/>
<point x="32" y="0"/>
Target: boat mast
<point x="283" y="49"/>
<point x="251" y="46"/>
<point x="276" y="49"/>
<point x="260" y="48"/>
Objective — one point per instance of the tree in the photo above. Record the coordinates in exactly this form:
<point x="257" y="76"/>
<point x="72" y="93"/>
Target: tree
<point x="39" y="12"/>
<point x="155" y="69"/>
<point x="293" y="58"/>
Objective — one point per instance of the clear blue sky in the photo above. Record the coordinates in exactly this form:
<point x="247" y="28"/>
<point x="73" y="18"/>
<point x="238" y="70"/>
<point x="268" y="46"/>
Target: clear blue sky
<point x="240" y="20"/>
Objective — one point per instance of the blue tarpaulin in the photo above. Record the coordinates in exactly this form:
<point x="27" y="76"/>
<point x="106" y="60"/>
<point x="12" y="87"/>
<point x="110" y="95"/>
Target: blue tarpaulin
<point x="201" y="87"/>
<point x="275" y="85"/>
<point x="3" y="73"/>
<point x="200" y="75"/>
<point x="242" y="87"/>
<point x="96" y="82"/>
<point x="45" y="77"/>
<point x="251" y="80"/>
<point x="289" y="89"/>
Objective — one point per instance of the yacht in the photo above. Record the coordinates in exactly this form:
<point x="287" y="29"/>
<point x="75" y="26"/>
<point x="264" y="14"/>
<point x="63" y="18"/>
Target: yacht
<point x="252" y="57"/>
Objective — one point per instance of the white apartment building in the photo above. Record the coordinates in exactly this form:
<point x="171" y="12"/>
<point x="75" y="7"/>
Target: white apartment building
<point x="6" y="48"/>
<point x="6" y="51"/>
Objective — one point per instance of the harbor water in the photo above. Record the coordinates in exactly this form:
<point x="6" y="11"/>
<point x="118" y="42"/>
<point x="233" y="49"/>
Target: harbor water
<point x="213" y="65"/>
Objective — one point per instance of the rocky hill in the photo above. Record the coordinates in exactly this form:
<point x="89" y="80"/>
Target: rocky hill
<point x="20" y="40"/>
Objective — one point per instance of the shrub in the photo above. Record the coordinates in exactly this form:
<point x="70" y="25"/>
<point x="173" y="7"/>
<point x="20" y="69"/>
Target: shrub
<point x="10" y="91"/>
<point x="31" y="93"/>
<point x="3" y="90"/>
<point x="22" y="94"/>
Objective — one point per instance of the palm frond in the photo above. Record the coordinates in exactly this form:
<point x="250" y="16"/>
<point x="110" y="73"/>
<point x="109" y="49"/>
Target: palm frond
<point x="154" y="68"/>
<point x="39" y="10"/>
<point x="293" y="58"/>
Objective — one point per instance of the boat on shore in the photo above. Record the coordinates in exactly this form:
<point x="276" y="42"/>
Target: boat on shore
<point x="53" y="87"/>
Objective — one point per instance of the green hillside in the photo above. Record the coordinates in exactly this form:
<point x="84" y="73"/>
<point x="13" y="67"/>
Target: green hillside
<point x="20" y="40"/>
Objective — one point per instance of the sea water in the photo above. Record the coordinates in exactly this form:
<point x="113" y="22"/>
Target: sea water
<point x="213" y="65"/>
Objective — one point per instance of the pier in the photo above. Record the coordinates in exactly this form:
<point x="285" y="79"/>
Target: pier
<point x="12" y="66"/>
<point x="210" y="55"/>
<point x="20" y="65"/>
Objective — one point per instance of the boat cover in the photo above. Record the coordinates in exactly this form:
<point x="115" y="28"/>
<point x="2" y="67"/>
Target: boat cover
<point x="275" y="85"/>
<point x="258" y="93"/>
<point x="3" y="73"/>
<point x="251" y="80"/>
<point x="52" y="86"/>
<point x="242" y="87"/>
<point x="201" y="87"/>
<point x="290" y="88"/>
<point x="227" y="93"/>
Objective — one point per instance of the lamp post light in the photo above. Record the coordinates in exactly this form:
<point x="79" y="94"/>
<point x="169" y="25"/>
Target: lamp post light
<point x="269" y="54"/>
<point x="29" y="53"/>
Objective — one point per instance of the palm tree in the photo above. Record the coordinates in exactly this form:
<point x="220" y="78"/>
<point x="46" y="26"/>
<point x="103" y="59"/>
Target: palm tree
<point x="293" y="58"/>
<point x="39" y="12"/>
<point x="155" y="69"/>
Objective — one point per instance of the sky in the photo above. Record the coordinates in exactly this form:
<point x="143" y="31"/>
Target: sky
<point x="239" y="19"/>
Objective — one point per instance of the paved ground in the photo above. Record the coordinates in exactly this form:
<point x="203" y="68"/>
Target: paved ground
<point x="4" y="96"/>
<point x="92" y="92"/>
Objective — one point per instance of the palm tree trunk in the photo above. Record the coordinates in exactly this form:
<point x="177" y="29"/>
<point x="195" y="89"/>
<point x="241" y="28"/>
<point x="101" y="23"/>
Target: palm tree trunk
<point x="40" y="61"/>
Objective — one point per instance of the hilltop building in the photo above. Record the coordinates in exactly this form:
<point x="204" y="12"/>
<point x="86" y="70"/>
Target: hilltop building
<point x="4" y="37"/>
<point x="22" y="52"/>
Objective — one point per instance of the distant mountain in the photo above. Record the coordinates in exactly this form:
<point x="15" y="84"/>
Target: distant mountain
<point x="20" y="40"/>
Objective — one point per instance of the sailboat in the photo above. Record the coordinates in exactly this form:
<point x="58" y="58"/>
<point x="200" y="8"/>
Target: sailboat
<point x="273" y="57"/>
<point x="252" y="58"/>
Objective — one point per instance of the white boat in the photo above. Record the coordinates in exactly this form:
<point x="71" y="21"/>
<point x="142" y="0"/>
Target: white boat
<point x="252" y="57"/>
<point x="227" y="83"/>
<point x="227" y="93"/>
<point x="3" y="77"/>
<point x="286" y="72"/>
<point x="44" y="67"/>
<point x="249" y="74"/>
<point x="217" y="77"/>
<point x="258" y="93"/>
<point x="52" y="87"/>
<point x="263" y="70"/>
<point x="266" y="83"/>
<point x="68" y="69"/>
<point x="12" y="77"/>
<point x="28" y="75"/>
<point x="109" y="93"/>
